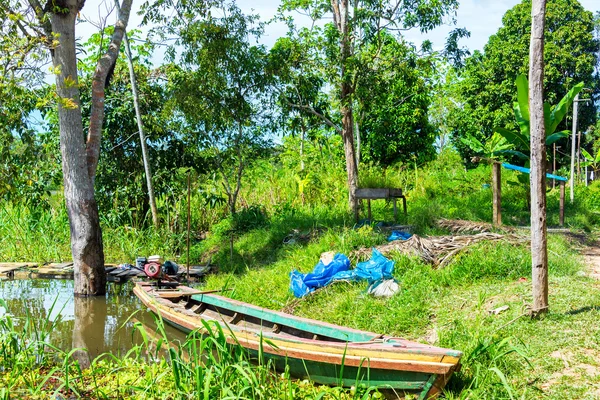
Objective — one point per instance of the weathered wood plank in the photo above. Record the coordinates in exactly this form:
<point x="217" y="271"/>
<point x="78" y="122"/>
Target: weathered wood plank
<point x="11" y="266"/>
<point x="378" y="193"/>
<point x="62" y="265"/>
<point x="496" y="194"/>
<point x="5" y="270"/>
<point x="372" y="193"/>
<point x="44" y="272"/>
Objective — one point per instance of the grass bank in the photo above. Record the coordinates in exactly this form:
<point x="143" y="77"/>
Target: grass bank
<point x="506" y="355"/>
<point x="198" y="368"/>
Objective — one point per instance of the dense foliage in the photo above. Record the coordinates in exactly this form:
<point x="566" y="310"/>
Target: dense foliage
<point x="486" y="89"/>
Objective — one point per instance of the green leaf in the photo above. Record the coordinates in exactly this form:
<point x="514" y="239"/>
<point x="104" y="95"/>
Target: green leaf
<point x="555" y="137"/>
<point x="516" y="138"/>
<point x="587" y="155"/>
<point x="473" y="143"/>
<point x="523" y="95"/>
<point x="547" y="112"/>
<point x="560" y="110"/>
<point x="522" y="121"/>
<point x="514" y="153"/>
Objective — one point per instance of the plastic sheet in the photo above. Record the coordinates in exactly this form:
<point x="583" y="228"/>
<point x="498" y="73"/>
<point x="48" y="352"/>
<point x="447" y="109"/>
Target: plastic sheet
<point x="302" y="284"/>
<point x="386" y="288"/>
<point x="377" y="268"/>
<point x="399" y="235"/>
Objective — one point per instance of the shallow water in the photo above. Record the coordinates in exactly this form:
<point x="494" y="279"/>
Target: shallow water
<point x="102" y="324"/>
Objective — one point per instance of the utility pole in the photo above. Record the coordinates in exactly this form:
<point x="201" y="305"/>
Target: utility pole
<point x="576" y="102"/>
<point x="553" y="164"/>
<point x="573" y="147"/>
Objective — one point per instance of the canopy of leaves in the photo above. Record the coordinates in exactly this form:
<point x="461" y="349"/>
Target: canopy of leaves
<point x="486" y="87"/>
<point x="394" y="98"/>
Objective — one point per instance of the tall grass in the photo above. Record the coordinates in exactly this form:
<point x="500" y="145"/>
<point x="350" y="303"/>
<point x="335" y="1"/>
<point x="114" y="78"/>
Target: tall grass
<point x="202" y="367"/>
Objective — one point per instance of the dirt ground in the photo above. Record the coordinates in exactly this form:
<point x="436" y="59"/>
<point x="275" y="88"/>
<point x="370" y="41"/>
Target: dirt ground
<point x="591" y="255"/>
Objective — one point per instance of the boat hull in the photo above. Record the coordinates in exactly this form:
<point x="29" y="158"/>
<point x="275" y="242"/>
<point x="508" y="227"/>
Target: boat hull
<point x="385" y="363"/>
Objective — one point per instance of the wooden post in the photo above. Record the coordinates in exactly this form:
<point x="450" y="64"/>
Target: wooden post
<point x="539" y="252"/>
<point x="562" y="203"/>
<point x="189" y="222"/>
<point x="496" y="194"/>
<point x="395" y="210"/>
<point x="404" y="206"/>
<point x="553" y="164"/>
<point x="369" y="209"/>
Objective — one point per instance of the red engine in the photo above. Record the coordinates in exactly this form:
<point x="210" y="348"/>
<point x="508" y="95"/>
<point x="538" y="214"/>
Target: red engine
<point x="152" y="269"/>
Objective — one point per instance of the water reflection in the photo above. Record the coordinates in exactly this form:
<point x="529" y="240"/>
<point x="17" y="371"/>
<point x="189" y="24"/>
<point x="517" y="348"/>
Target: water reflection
<point x="98" y="324"/>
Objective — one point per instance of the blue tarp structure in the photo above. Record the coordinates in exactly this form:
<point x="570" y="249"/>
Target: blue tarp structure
<point x="373" y="270"/>
<point x="528" y="171"/>
<point x="399" y="235"/>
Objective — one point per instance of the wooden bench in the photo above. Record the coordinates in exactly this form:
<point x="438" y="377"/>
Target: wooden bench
<point x="378" y="194"/>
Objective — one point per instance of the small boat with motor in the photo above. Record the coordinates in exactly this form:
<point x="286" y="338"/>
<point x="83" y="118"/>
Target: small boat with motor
<point x="324" y="353"/>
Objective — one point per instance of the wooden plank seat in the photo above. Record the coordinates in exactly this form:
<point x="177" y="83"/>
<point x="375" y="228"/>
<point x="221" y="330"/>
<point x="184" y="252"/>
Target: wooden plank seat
<point x="379" y="194"/>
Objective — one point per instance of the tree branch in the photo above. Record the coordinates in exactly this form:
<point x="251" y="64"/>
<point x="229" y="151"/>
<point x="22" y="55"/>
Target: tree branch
<point x="312" y="111"/>
<point x="98" y="89"/>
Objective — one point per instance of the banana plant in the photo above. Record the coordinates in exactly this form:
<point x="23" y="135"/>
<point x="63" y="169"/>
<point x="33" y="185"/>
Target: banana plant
<point x="492" y="149"/>
<point x="553" y="115"/>
<point x="592" y="162"/>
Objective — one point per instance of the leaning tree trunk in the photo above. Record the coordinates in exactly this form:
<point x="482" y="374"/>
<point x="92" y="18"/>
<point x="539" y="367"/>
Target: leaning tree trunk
<point x="144" y="147"/>
<point x="340" y="16"/>
<point x="79" y="159"/>
<point x="539" y="253"/>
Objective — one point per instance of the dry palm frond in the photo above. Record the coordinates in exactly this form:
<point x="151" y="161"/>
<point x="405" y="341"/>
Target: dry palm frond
<point x="437" y="250"/>
<point x="463" y="226"/>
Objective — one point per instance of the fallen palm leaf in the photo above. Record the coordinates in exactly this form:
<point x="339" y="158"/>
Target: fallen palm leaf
<point x="463" y="226"/>
<point x="437" y="250"/>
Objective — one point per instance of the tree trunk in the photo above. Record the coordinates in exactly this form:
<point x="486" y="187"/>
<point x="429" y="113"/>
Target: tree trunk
<point x="302" y="138"/>
<point x="340" y="17"/>
<point x="539" y="254"/>
<point x="79" y="159"/>
<point x="356" y="128"/>
<point x="86" y="236"/>
<point x="348" y="138"/>
<point x="138" y="115"/>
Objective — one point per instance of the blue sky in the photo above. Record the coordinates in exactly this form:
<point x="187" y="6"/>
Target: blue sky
<point x="481" y="17"/>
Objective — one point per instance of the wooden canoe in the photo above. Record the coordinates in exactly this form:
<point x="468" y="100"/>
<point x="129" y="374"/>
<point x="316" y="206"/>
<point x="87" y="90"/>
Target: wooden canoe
<point x="324" y="353"/>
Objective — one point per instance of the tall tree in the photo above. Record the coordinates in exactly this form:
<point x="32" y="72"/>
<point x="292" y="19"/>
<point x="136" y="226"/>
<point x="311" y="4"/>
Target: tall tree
<point x="539" y="252"/>
<point x="357" y="26"/>
<point x="392" y="105"/>
<point x="486" y="86"/>
<point x="220" y="87"/>
<point x="56" y="28"/>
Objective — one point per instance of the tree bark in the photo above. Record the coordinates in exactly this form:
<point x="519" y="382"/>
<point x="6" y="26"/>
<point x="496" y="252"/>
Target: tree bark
<point x="302" y="138"/>
<point x="539" y="253"/>
<point x="340" y="17"/>
<point x="86" y="236"/>
<point x="79" y="159"/>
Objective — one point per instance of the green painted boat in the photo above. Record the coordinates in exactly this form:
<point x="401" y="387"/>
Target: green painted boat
<point x="324" y="353"/>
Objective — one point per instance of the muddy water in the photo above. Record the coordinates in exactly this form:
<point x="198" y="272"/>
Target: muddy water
<point x="99" y="324"/>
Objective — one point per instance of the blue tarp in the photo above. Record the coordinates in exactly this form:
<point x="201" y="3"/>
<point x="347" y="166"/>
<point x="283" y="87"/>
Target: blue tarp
<point x="302" y="284"/>
<point x="399" y="235"/>
<point x="373" y="270"/>
<point x="528" y="171"/>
